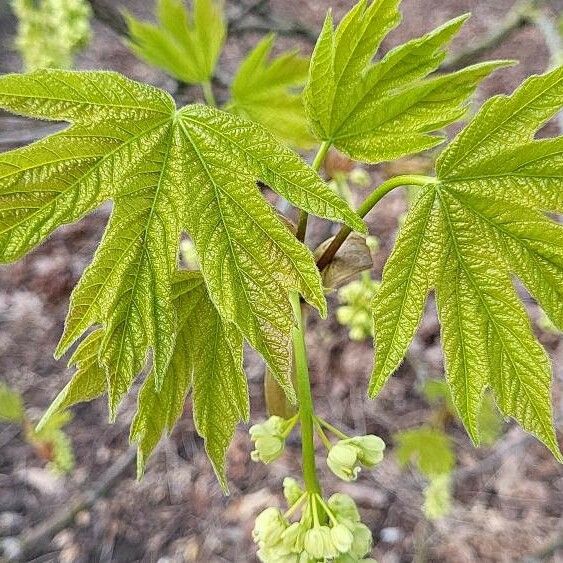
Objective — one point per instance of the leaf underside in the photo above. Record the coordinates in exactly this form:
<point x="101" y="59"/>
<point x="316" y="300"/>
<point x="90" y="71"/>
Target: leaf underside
<point x="480" y="223"/>
<point x="167" y="171"/>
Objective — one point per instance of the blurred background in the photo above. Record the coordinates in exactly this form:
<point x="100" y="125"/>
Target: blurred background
<point x="72" y="496"/>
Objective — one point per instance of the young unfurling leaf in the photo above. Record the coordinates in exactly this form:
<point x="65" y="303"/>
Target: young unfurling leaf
<point x="184" y="44"/>
<point x="166" y="170"/>
<point x="387" y="109"/>
<point x="269" y="92"/>
<point x="429" y="449"/>
<point x="478" y="223"/>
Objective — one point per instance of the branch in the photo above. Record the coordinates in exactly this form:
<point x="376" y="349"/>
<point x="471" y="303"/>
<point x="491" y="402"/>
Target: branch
<point x="33" y="540"/>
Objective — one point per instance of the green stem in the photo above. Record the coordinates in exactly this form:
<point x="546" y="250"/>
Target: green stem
<point x="316" y="166"/>
<point x="327" y="443"/>
<point x="367" y="205"/>
<point x="208" y="94"/>
<point x="331" y="428"/>
<point x="306" y="410"/>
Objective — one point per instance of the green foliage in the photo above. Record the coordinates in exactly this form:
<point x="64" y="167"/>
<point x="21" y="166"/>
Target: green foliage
<point x="478" y="222"/>
<point x="489" y="422"/>
<point x="387" y="109"/>
<point x="430" y="450"/>
<point x="269" y="92"/>
<point x="50" y="441"/>
<point x="166" y="170"/>
<point x="438" y="497"/>
<point x="437" y="391"/>
<point x="58" y="445"/>
<point x="208" y="358"/>
<point x="51" y="32"/>
<point x="11" y="405"/>
<point x="184" y="44"/>
<point x="187" y="47"/>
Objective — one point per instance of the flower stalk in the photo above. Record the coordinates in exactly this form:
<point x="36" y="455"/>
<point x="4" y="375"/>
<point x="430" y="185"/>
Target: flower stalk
<point x="306" y="410"/>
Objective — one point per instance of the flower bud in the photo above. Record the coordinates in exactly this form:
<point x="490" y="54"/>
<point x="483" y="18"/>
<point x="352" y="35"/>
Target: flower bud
<point x="343" y="461"/>
<point x="267" y="449"/>
<point x="269" y="527"/>
<point x="370" y="449"/>
<point x="342" y="538"/>
<point x="291" y="491"/>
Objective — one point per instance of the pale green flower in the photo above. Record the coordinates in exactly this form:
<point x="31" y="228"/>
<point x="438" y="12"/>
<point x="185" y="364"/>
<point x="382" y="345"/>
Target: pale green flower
<point x="276" y="554"/>
<point x="344" y="508"/>
<point x="267" y="449"/>
<point x="360" y="177"/>
<point x="370" y="449"/>
<point x="269" y="526"/>
<point x="342" y="538"/>
<point x="318" y="543"/>
<point x="438" y="497"/>
<point x="291" y="491"/>
<point x="347" y="558"/>
<point x="294" y="536"/>
<point x="345" y="457"/>
<point x="269" y="439"/>
<point x="343" y="461"/>
<point x="362" y="542"/>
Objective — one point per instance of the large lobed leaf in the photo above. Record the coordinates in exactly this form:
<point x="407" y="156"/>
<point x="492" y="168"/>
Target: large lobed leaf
<point x="166" y="170"/>
<point x="376" y="111"/>
<point x="482" y="220"/>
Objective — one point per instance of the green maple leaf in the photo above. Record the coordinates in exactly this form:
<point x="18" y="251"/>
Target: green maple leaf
<point x="166" y="170"/>
<point x="88" y="381"/>
<point x="387" y="109"/>
<point x="429" y="449"/>
<point x="184" y="44"/>
<point x="207" y="359"/>
<point x="269" y="92"/>
<point x="481" y="221"/>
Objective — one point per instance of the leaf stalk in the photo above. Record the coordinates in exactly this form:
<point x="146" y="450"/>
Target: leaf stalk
<point x="316" y="166"/>
<point x="367" y="205"/>
<point x="208" y="94"/>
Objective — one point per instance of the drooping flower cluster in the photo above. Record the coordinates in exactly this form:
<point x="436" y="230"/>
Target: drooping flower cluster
<point x="327" y="530"/>
<point x="50" y="32"/>
<point x="355" y="309"/>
